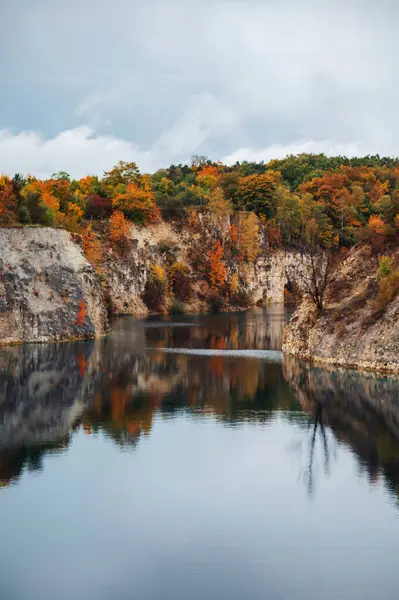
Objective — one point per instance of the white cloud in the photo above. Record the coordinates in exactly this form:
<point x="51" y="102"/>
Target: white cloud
<point x="78" y="151"/>
<point x="328" y="147"/>
<point x="212" y="76"/>
<point x="81" y="151"/>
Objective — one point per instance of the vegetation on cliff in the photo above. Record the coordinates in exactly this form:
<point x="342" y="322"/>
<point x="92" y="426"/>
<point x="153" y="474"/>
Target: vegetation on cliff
<point x="235" y="214"/>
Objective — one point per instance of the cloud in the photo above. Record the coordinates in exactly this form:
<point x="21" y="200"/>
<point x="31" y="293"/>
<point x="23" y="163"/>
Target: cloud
<point x="78" y="151"/>
<point x="328" y="147"/>
<point x="82" y="150"/>
<point x="170" y="79"/>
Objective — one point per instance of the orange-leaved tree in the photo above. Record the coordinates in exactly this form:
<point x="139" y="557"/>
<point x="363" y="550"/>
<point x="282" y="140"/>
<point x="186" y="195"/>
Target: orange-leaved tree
<point x="118" y="227"/>
<point x="217" y="266"/>
<point x="92" y="246"/>
<point x="249" y="236"/>
<point x="137" y="202"/>
<point x="7" y="201"/>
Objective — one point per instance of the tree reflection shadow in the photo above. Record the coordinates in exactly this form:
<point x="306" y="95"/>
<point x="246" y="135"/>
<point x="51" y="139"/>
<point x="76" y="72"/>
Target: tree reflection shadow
<point x="317" y="425"/>
<point x="114" y="388"/>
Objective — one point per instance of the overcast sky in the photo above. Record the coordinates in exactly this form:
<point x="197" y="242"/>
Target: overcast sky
<point x="86" y="83"/>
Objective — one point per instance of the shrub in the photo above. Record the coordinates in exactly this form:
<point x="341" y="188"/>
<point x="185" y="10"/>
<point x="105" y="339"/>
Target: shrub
<point x="138" y="203"/>
<point x="387" y="289"/>
<point x="217" y="302"/>
<point x="177" y="307"/>
<point x="217" y="266"/>
<point x="71" y="219"/>
<point x="180" y="279"/>
<point x="386" y="266"/>
<point x="98" y="207"/>
<point x="118" y="230"/>
<point x="156" y="288"/>
<point x="91" y="246"/>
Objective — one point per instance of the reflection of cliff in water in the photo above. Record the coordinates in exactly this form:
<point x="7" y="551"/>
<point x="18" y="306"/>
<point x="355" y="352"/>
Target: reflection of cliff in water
<point x="361" y="409"/>
<point x="118" y="385"/>
<point x="114" y="386"/>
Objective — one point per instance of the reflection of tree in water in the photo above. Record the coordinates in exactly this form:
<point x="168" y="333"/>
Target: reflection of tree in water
<point x="361" y="411"/>
<point x="316" y="425"/>
<point x="114" y="387"/>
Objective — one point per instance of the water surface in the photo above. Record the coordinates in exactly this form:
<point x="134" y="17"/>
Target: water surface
<point x="183" y="458"/>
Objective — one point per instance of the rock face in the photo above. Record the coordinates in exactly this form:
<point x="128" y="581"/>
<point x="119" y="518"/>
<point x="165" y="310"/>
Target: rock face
<point x="348" y="332"/>
<point x="48" y="290"/>
<point x="271" y="274"/>
<point x="125" y="275"/>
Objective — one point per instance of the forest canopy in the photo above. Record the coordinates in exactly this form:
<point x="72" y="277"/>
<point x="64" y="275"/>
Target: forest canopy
<point x="344" y="199"/>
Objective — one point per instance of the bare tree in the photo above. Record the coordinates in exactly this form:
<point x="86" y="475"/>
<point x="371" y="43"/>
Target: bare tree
<point x="317" y="262"/>
<point x="317" y="266"/>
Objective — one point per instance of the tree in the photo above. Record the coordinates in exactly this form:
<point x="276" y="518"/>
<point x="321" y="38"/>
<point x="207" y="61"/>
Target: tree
<point x="257" y="193"/>
<point x="118" y="229"/>
<point x="156" y="288"/>
<point x="122" y="173"/>
<point x="138" y="203"/>
<point x="8" y="204"/>
<point x="91" y="246"/>
<point x="317" y="265"/>
<point x="220" y="211"/>
<point x="288" y="214"/>
<point x="180" y="280"/>
<point x="198" y="161"/>
<point x="249" y="236"/>
<point x="217" y="266"/>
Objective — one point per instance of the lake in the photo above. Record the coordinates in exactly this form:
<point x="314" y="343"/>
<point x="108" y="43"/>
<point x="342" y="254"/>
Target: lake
<point x="183" y="458"/>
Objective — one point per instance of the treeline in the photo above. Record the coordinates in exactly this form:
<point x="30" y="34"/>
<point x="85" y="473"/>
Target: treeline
<point x="339" y="199"/>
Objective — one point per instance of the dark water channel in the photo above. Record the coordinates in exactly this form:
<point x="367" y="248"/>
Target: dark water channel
<point x="183" y="458"/>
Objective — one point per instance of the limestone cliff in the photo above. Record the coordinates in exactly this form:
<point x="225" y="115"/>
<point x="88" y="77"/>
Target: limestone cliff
<point x="48" y="290"/>
<point x="125" y="274"/>
<point x="350" y="331"/>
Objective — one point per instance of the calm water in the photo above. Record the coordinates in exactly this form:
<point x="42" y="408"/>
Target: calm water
<point x="183" y="459"/>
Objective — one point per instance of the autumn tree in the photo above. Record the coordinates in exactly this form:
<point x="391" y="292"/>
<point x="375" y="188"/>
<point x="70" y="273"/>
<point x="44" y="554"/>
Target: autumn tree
<point x="220" y="211"/>
<point x="118" y="227"/>
<point x="257" y="193"/>
<point x="71" y="218"/>
<point x="181" y="280"/>
<point x="92" y="246"/>
<point x="217" y="266"/>
<point x="8" y="205"/>
<point x="137" y="202"/>
<point x="156" y="288"/>
<point x="249" y="236"/>
<point x="122" y="174"/>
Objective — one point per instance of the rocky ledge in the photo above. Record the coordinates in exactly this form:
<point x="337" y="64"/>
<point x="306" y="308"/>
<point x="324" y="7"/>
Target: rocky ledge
<point x="48" y="290"/>
<point x="350" y="331"/>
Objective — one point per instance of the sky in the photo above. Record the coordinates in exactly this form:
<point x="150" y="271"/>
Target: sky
<point x="85" y="83"/>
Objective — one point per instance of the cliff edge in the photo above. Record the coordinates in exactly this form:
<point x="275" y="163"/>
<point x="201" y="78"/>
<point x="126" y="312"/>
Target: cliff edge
<point x="48" y="290"/>
<point x="358" y="327"/>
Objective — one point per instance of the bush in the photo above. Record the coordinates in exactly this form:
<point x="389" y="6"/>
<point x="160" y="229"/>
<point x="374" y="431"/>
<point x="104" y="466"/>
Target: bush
<point x="217" y="302"/>
<point x="181" y="284"/>
<point x="387" y="290"/>
<point x="155" y="289"/>
<point x="177" y="307"/>
<point x="98" y="207"/>
<point x="386" y="266"/>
